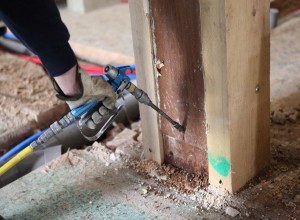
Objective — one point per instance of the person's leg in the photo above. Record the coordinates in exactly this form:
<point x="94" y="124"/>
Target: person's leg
<point x="37" y="23"/>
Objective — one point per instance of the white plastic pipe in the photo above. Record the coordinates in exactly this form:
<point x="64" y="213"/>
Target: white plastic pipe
<point x="273" y="17"/>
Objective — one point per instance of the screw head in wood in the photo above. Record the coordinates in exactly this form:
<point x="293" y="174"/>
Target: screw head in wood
<point x="257" y="89"/>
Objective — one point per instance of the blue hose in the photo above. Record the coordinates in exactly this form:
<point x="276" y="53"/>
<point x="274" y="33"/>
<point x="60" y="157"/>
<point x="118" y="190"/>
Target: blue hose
<point x="131" y="76"/>
<point x="21" y="146"/>
<point x="10" y="36"/>
<point x="28" y="141"/>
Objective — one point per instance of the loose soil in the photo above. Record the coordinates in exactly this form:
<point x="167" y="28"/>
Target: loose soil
<point x="27" y="100"/>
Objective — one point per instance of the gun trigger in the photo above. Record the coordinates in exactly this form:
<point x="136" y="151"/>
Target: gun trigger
<point x="122" y="96"/>
<point x="109" y="121"/>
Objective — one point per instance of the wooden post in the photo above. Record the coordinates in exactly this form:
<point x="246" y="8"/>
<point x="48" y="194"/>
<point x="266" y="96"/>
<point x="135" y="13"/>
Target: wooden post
<point x="215" y="81"/>
<point x="236" y="57"/>
<point x="143" y="51"/>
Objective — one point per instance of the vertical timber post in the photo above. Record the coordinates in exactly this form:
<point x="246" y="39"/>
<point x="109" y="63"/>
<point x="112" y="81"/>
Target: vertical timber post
<point x="144" y="52"/>
<point x="236" y="58"/>
<point x="214" y="81"/>
<point x="177" y="33"/>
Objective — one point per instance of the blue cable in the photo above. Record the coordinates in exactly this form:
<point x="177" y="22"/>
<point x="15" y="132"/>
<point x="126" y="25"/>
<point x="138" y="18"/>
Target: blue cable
<point x="32" y="138"/>
<point x="21" y="146"/>
<point x="131" y="76"/>
<point x="10" y="36"/>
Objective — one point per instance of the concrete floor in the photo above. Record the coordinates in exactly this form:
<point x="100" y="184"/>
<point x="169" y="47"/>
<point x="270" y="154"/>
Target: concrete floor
<point x="106" y="28"/>
<point x="90" y="185"/>
<point x="285" y="57"/>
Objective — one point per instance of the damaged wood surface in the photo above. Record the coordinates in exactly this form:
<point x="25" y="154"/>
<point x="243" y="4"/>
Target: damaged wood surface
<point x="176" y="30"/>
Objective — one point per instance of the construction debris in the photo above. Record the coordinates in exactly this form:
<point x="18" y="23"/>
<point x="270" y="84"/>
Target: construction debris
<point x="231" y="211"/>
<point x="279" y="117"/>
<point x="169" y="176"/>
<point x="136" y="126"/>
<point x="27" y="100"/>
<point x="125" y="138"/>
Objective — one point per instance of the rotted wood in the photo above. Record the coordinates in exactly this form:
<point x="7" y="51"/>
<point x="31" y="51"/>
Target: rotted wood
<point x="176" y="30"/>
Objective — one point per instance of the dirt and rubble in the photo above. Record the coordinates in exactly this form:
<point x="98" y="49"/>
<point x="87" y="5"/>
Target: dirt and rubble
<point x="274" y="194"/>
<point x="105" y="182"/>
<point x="27" y="100"/>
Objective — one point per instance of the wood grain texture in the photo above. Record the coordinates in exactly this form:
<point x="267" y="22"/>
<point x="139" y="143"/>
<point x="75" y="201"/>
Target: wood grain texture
<point x="216" y="85"/>
<point x="224" y="47"/>
<point x="176" y="28"/>
<point x="143" y="51"/>
<point x="236" y="54"/>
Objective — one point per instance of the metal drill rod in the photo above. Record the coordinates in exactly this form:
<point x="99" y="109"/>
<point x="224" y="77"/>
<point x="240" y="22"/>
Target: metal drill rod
<point x="120" y="81"/>
<point x="143" y="97"/>
<point x="174" y="123"/>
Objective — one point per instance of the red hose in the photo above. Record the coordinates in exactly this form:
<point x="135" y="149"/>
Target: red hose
<point x="91" y="69"/>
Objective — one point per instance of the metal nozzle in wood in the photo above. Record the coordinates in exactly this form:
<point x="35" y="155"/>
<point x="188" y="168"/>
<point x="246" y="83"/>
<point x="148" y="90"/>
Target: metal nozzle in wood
<point x="143" y="97"/>
<point x="174" y="123"/>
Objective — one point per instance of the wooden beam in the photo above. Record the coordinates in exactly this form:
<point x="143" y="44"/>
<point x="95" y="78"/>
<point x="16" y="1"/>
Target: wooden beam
<point x="146" y="77"/>
<point x="236" y="58"/>
<point x="181" y="85"/>
<point x="219" y="45"/>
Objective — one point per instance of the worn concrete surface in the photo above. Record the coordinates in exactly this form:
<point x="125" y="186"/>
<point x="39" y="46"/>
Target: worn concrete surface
<point x="106" y="28"/>
<point x="91" y="184"/>
<point x="27" y="100"/>
<point x="285" y="59"/>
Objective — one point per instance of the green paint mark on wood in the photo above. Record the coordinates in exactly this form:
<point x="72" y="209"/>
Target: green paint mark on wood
<point x="220" y="164"/>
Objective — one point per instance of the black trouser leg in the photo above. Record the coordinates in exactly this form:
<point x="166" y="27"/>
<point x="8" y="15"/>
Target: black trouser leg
<point x="37" y="23"/>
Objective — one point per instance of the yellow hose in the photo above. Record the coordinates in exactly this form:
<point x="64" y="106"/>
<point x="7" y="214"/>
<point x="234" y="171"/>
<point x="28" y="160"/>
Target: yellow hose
<point x="15" y="160"/>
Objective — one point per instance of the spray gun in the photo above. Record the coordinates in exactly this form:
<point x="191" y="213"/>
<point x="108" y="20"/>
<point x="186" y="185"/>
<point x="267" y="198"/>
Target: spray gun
<point x="119" y="82"/>
<point x="116" y="75"/>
